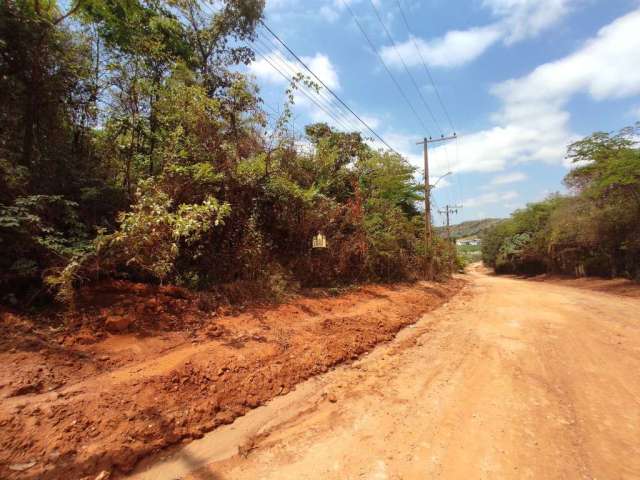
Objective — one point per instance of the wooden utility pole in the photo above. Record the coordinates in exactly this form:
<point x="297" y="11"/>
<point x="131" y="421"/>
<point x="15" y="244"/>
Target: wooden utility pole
<point x="449" y="210"/>
<point x="427" y="197"/>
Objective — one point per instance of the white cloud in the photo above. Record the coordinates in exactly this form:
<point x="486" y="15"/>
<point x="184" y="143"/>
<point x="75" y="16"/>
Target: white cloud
<point x="334" y="8"/>
<point x="320" y="64"/>
<point x="455" y="48"/>
<point x="523" y="19"/>
<point x="490" y="198"/>
<point x="324" y="69"/>
<point x="507" y="178"/>
<point x="331" y="14"/>
<point x="444" y="183"/>
<point x="263" y="69"/>
<point x="601" y="68"/>
<point x="278" y="4"/>
<point x="372" y="121"/>
<point x="533" y="124"/>
<point x="405" y="145"/>
<point x="516" y="20"/>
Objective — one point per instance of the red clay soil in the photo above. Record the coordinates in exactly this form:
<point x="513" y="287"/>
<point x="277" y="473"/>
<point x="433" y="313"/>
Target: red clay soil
<point x="138" y="369"/>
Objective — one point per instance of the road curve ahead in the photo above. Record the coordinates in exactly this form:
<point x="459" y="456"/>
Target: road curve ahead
<point x="511" y="379"/>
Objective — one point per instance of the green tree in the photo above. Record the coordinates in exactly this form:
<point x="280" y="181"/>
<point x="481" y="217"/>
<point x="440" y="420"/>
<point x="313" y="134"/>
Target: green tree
<point x="595" y="231"/>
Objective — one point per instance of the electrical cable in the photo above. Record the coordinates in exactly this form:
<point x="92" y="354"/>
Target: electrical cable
<point x="346" y="120"/>
<point x="435" y="88"/>
<point x="426" y="68"/>
<point x="280" y="64"/>
<point x="406" y="69"/>
<point x="393" y="78"/>
<point x="328" y="89"/>
<point x="265" y="57"/>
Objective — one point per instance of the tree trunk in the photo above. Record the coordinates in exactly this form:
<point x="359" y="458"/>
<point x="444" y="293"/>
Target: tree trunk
<point x="29" y="122"/>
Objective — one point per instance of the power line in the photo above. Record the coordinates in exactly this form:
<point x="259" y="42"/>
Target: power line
<point x="448" y="211"/>
<point x="437" y="92"/>
<point x="393" y="78"/>
<point x="304" y="89"/>
<point x="265" y="57"/>
<point x="310" y="93"/>
<point x="327" y="87"/>
<point x="346" y="119"/>
<point x="424" y="64"/>
<point x="406" y="69"/>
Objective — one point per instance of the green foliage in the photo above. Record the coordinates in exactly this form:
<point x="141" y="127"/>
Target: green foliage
<point x="593" y="232"/>
<point x="139" y="27"/>
<point x="468" y="254"/>
<point x="470" y="228"/>
<point x="38" y="232"/>
<point x="152" y="235"/>
<point x="130" y="148"/>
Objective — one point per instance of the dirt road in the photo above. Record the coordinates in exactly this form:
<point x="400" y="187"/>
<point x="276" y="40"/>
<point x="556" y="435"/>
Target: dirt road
<point x="510" y="379"/>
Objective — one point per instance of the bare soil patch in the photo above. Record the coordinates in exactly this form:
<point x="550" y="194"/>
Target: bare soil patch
<point x="137" y="369"/>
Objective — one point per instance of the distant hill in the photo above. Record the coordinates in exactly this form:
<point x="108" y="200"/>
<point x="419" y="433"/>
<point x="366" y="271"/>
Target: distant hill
<point x="472" y="228"/>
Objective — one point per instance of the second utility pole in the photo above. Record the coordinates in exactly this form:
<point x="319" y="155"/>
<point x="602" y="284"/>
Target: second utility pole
<point x="427" y="200"/>
<point x="448" y="210"/>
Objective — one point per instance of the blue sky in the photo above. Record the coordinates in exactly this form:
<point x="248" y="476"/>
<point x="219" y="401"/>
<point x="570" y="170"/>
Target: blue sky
<point x="520" y="79"/>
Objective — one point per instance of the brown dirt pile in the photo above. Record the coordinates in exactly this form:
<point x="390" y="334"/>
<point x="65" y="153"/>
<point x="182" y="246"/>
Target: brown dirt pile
<point x="138" y="369"/>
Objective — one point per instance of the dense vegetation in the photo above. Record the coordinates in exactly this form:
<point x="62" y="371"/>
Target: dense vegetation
<point x="132" y="146"/>
<point x="470" y="228"/>
<point x="593" y="231"/>
<point x="469" y="253"/>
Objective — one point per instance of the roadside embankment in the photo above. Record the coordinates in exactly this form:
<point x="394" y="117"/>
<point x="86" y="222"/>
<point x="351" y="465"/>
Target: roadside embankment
<point x="154" y="371"/>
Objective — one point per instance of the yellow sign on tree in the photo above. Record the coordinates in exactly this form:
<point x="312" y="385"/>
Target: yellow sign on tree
<point x="319" y="241"/>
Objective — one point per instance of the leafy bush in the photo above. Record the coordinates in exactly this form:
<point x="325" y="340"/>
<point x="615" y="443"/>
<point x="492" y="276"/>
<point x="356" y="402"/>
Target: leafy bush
<point x="38" y="233"/>
<point x="595" y="231"/>
<point x="131" y="146"/>
<point x="152" y="236"/>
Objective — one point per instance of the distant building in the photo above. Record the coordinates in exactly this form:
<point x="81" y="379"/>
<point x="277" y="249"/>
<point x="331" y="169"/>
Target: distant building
<point x="474" y="241"/>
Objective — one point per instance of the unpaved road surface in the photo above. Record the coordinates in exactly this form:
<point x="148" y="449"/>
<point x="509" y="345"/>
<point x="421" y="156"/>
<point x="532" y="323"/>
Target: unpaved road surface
<point x="510" y="379"/>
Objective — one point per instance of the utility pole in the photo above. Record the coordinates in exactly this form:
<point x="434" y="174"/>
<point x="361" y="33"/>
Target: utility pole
<point x="449" y="210"/>
<point x="427" y="197"/>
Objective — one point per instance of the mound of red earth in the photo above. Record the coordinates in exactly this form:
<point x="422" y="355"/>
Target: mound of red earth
<point x="136" y="369"/>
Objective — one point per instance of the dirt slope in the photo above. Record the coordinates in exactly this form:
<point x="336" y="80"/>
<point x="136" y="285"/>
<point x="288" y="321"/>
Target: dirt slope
<point x="74" y="404"/>
<point x="512" y="379"/>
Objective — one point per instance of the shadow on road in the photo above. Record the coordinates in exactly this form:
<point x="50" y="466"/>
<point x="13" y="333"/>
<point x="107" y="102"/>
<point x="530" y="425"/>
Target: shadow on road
<point x="198" y="471"/>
